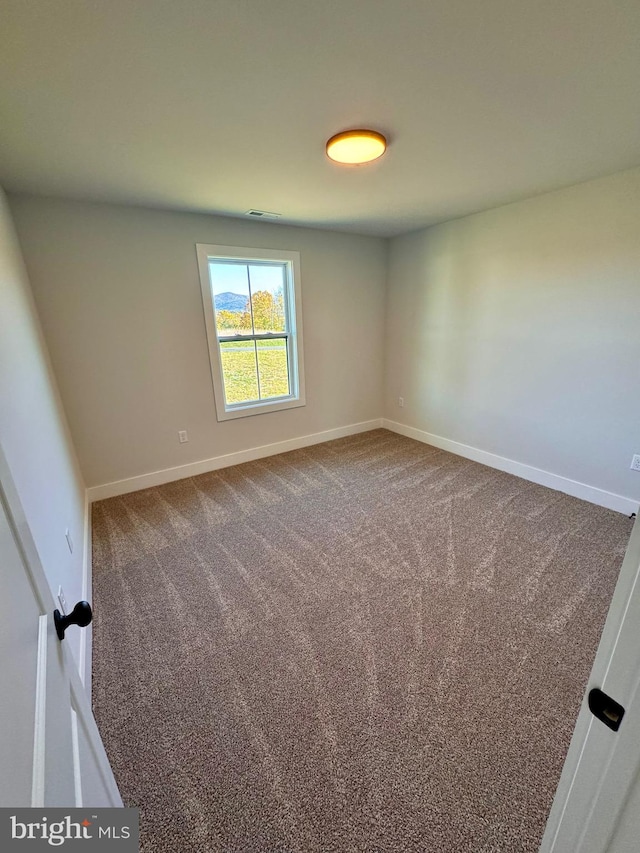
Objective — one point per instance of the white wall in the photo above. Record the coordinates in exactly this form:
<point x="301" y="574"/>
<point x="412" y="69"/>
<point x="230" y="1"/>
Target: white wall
<point x="118" y="293"/>
<point x="517" y="331"/>
<point x="33" y="431"/>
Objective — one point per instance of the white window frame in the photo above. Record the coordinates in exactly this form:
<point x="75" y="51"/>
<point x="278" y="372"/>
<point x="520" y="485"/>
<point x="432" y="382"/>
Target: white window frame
<point x="293" y="313"/>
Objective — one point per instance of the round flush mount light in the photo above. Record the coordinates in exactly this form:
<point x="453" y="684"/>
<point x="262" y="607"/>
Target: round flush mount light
<point x="355" y="147"/>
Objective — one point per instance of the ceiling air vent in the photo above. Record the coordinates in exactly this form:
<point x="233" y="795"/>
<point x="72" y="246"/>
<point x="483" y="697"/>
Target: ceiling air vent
<point x="262" y="214"/>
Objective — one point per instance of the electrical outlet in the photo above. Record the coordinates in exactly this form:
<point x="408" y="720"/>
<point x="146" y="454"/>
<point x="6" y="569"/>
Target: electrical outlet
<point x="635" y="462"/>
<point x="69" y="540"/>
<point x="182" y="436"/>
<point x="62" y="601"/>
<point x="401" y="402"/>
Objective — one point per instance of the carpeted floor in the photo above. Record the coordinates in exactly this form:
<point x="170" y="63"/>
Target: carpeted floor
<point x="366" y="645"/>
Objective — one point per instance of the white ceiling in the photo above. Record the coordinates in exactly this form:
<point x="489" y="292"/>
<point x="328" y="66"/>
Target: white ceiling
<point x="225" y="105"/>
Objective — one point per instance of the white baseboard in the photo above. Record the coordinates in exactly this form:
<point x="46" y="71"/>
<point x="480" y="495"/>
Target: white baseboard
<point x="168" y="475"/>
<point x="610" y="500"/>
<point x="86" y="635"/>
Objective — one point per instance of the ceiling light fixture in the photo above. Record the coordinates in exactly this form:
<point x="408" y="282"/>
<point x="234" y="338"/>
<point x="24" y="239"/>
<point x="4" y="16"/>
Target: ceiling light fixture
<point x="355" y="147"/>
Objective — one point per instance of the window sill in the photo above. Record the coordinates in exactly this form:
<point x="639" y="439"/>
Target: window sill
<point x="262" y="408"/>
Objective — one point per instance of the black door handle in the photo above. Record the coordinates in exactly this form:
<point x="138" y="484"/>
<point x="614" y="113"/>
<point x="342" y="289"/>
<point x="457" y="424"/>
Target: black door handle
<point x="606" y="709"/>
<point x="81" y="616"/>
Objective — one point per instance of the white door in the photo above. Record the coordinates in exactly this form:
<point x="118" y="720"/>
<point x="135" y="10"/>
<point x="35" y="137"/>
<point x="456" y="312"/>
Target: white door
<point x="50" y="750"/>
<point x="597" y="804"/>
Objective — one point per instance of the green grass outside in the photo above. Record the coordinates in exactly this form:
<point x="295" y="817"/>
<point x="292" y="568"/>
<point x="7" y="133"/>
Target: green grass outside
<point x="239" y="369"/>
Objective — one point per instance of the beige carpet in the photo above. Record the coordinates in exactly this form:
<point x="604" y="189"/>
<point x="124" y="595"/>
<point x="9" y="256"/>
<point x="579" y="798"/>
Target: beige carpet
<point x="367" y="645"/>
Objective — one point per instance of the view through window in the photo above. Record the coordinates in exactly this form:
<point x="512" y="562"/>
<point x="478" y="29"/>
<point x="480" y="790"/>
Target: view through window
<point x="249" y="300"/>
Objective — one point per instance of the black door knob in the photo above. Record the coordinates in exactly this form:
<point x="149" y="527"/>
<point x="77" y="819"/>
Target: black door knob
<point x="81" y="615"/>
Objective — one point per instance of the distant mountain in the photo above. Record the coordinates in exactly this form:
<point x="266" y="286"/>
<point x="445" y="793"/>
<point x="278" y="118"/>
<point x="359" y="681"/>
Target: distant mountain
<point x="230" y="302"/>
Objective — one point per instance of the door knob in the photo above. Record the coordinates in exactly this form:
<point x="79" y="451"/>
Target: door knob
<point x="81" y="616"/>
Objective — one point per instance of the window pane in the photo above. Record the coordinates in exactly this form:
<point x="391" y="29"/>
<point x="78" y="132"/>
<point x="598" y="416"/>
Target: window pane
<point x="230" y="289"/>
<point x="267" y="297"/>
<point x="239" y="371"/>
<point x="273" y="368"/>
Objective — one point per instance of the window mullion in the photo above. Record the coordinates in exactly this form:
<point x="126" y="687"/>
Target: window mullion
<point x="253" y="333"/>
<point x="253" y="326"/>
<point x="255" y="347"/>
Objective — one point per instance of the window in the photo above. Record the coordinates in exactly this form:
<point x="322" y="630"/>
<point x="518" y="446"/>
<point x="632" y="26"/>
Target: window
<point x="253" y="314"/>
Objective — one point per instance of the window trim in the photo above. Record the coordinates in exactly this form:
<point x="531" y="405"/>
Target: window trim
<point x="293" y="334"/>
